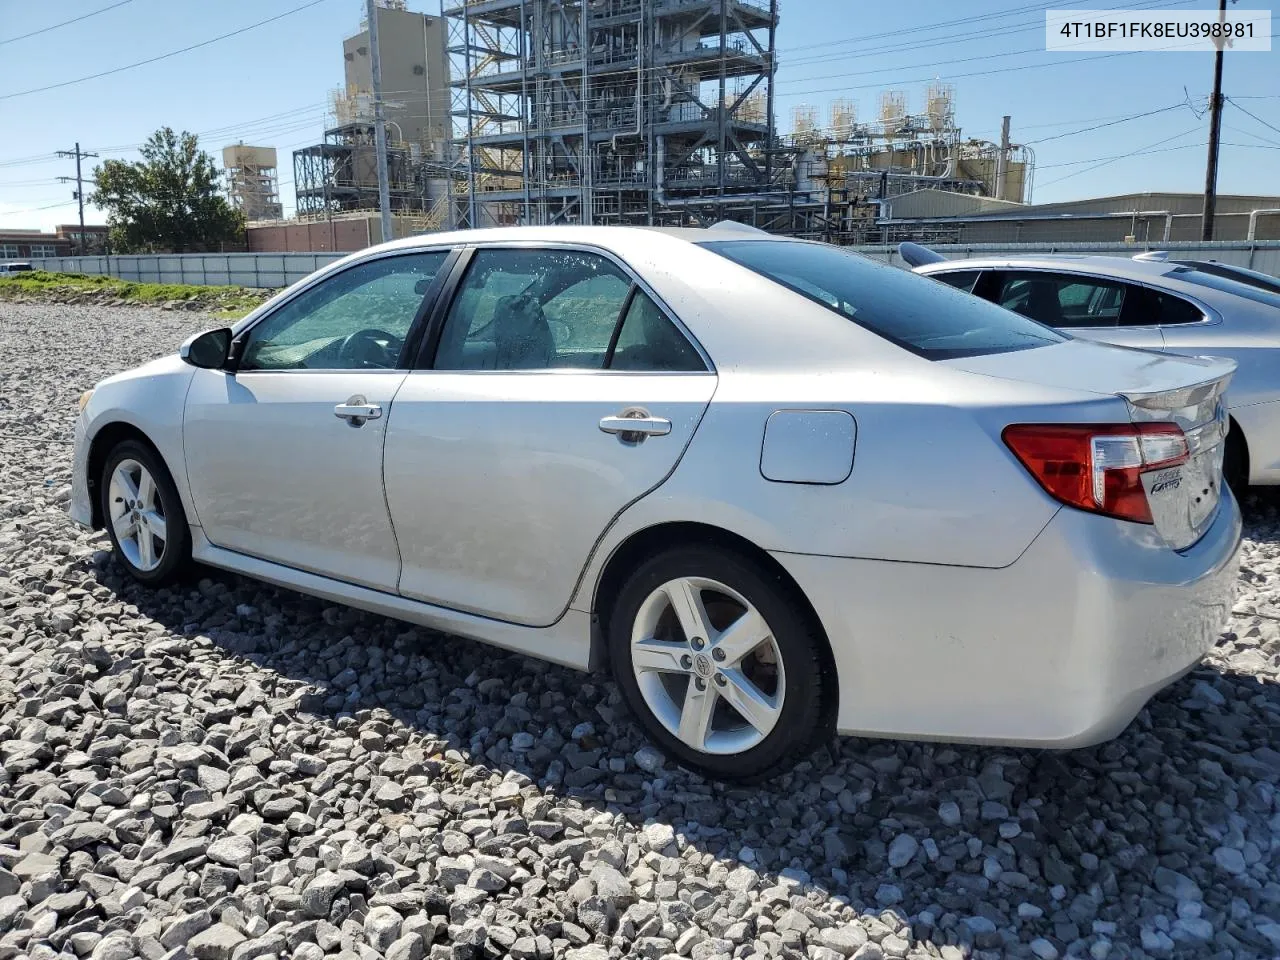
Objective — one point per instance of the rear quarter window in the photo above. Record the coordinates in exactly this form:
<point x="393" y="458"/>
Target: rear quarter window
<point x="960" y="279"/>
<point x="932" y="320"/>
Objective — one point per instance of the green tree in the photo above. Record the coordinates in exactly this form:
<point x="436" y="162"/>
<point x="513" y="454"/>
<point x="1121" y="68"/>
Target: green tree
<point x="169" y="201"/>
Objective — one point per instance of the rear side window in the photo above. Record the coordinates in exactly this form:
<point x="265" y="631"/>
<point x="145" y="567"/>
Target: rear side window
<point x="930" y="319"/>
<point x="1062" y="300"/>
<point x="1146" y="307"/>
<point x="649" y="341"/>
<point x="960" y="279"/>
<point x="534" y="309"/>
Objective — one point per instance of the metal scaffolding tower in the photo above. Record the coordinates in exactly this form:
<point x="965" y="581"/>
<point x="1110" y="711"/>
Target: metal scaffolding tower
<point x="608" y="111"/>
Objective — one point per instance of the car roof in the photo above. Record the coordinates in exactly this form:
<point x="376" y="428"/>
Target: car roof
<point x="608" y="237"/>
<point x="1120" y="267"/>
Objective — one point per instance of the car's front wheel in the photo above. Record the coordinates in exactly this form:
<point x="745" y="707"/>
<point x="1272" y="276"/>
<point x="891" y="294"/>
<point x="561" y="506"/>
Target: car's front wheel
<point x="144" y="515"/>
<point x="719" y="664"/>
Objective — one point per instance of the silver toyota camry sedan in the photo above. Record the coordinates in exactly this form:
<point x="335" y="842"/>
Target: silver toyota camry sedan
<point x="778" y="488"/>
<point x="1154" y="301"/>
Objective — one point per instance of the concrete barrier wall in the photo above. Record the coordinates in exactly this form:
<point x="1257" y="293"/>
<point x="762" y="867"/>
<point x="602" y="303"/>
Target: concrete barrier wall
<point x="203" y="269"/>
<point x="282" y="269"/>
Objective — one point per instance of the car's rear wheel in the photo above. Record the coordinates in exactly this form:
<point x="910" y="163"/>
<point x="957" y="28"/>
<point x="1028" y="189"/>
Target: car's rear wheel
<point x="144" y="515"/>
<point x="720" y="665"/>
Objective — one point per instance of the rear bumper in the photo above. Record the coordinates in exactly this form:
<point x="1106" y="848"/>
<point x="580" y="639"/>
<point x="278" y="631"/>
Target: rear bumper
<point x="1060" y="649"/>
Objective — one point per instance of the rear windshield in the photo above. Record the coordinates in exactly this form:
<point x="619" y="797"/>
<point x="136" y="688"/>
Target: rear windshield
<point x="1231" y="272"/>
<point x="930" y="319"/>
<point x="1236" y="280"/>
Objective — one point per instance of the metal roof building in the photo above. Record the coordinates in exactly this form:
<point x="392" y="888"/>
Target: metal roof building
<point x="941" y="216"/>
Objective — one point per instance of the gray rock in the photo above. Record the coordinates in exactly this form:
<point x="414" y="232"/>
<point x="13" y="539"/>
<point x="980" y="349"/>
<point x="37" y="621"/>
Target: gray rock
<point x="231" y="851"/>
<point x="949" y="813"/>
<point x="845" y="939"/>
<point x="1230" y="860"/>
<point x="217" y="942"/>
<point x="318" y="895"/>
<point x="902" y="850"/>
<point x="408" y="947"/>
<point x="382" y="928"/>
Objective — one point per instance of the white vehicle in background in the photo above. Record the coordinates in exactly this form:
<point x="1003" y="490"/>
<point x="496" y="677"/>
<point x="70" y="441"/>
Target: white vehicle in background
<point x="779" y="488"/>
<point x="20" y="266"/>
<point x="1157" y="302"/>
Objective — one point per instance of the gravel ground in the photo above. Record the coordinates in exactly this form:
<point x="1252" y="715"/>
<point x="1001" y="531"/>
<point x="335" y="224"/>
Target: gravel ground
<point x="229" y="771"/>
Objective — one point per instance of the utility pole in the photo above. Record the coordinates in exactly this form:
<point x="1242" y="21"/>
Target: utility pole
<point x="379" y="124"/>
<point x="79" y="182"/>
<point x="1215" y="134"/>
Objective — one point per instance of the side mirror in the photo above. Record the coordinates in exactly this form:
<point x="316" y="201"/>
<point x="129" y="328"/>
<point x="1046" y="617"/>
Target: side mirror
<point x="207" y="350"/>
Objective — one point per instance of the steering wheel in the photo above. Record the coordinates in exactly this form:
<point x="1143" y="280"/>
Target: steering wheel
<point x="370" y="347"/>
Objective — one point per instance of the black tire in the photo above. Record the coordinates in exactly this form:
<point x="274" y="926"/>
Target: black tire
<point x="175" y="557"/>
<point x="1235" y="464"/>
<point x="806" y="717"/>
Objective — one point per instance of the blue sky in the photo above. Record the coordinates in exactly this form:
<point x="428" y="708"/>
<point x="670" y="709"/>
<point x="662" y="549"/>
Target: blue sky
<point x="270" y="86"/>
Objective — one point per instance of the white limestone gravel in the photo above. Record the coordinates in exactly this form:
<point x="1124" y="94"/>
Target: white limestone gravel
<point x="228" y="771"/>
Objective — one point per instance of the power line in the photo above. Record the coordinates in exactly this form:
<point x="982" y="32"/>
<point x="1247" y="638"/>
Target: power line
<point x="1269" y="126"/>
<point x="1098" y="162"/>
<point x="963" y="76"/>
<point x="1235" y="129"/>
<point x="64" y="23"/>
<point x="29" y="161"/>
<point x="1100" y="126"/>
<point x="947" y="40"/>
<point x="60" y="203"/>
<point x="163" y="56"/>
<point x="932" y="26"/>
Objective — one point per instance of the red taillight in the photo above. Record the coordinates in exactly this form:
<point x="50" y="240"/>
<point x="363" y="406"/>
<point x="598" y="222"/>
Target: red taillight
<point x="1097" y="467"/>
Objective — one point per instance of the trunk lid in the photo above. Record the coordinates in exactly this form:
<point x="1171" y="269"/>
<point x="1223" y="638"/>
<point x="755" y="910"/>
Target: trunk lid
<point x="1156" y="388"/>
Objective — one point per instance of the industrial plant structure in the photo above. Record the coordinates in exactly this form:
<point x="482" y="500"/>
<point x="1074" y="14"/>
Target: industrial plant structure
<point x="616" y="112"/>
<point x="252" y="182"/>
<point x="339" y="177"/>
<point x="661" y="112"/>
<point x="608" y="111"/>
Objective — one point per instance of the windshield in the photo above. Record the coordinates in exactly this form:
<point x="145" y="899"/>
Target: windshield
<point x="930" y="319"/>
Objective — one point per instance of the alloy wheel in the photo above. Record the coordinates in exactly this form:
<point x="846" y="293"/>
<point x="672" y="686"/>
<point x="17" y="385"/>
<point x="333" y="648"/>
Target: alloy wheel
<point x="707" y="665"/>
<point x="137" y="515"/>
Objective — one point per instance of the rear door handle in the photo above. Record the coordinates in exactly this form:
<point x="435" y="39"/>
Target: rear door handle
<point x="356" y="411"/>
<point x="633" y="428"/>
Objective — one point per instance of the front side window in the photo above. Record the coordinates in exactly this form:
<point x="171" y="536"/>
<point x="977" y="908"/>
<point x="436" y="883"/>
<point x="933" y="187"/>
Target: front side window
<point x="354" y="320"/>
<point x="932" y="320"/>
<point x="531" y="309"/>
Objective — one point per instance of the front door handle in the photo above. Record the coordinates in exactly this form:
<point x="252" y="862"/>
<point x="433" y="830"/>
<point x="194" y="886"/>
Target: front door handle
<point x="632" y="426"/>
<point x="357" y="410"/>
